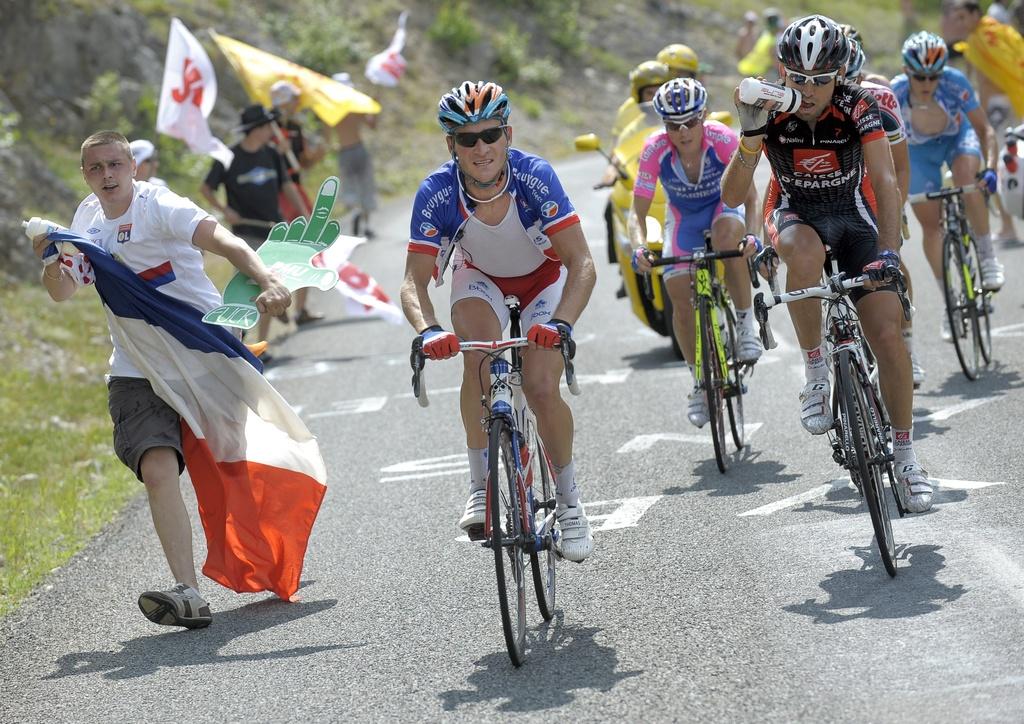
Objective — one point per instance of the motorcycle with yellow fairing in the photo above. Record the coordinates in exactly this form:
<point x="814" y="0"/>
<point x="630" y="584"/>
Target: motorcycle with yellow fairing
<point x="647" y="296"/>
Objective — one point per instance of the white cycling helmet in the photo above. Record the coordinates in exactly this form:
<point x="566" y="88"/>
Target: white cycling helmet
<point x="814" y="44"/>
<point x="680" y="99"/>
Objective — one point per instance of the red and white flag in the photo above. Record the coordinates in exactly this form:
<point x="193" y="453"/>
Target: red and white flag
<point x="387" y="67"/>
<point x="188" y="94"/>
<point x="363" y="295"/>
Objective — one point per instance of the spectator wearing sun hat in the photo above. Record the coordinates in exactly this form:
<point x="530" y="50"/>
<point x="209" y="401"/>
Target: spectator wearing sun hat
<point x="252" y="183"/>
<point x="146" y="161"/>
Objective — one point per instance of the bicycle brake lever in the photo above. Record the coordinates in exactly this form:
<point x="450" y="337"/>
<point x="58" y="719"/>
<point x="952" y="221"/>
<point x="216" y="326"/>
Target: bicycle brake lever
<point x="768" y="340"/>
<point x="568" y="348"/>
<point x="755" y="280"/>
<point x="417" y="361"/>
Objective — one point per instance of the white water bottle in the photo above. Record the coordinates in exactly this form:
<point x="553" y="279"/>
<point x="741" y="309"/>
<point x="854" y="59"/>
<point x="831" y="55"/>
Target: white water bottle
<point x="36" y="226"/>
<point x="758" y="92"/>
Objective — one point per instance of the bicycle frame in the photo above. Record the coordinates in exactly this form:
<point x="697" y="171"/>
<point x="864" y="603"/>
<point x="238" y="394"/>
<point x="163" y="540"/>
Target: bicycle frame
<point x="506" y="401"/>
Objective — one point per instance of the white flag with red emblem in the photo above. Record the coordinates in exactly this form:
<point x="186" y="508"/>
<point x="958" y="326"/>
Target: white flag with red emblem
<point x="188" y="95"/>
<point x="387" y="67"/>
<point x="363" y="295"/>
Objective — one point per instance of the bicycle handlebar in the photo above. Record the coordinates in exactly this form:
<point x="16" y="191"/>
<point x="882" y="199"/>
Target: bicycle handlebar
<point x="697" y="256"/>
<point x="417" y="360"/>
<point x="767" y="257"/>
<point x="836" y="286"/>
<point x="941" y="193"/>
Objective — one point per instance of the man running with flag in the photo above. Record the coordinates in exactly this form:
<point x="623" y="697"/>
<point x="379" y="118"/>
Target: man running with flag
<point x="182" y="393"/>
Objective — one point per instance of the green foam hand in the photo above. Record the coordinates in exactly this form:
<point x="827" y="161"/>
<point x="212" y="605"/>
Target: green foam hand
<point x="286" y="252"/>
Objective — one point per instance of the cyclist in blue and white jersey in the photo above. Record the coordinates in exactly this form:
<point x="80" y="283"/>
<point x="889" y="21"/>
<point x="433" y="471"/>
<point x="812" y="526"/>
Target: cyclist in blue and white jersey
<point x="945" y="124"/>
<point x="688" y="157"/>
<point x="515" y="232"/>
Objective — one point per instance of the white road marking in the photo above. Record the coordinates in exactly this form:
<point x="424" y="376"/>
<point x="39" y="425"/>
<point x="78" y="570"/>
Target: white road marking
<point x="352" y="407"/>
<point x="431" y="391"/>
<point x="1010" y="330"/>
<point x="798" y="498"/>
<point x="611" y="377"/>
<point x="947" y="412"/>
<point x="299" y="372"/>
<point x="822" y="490"/>
<point x="624" y="513"/>
<point x="641" y="443"/>
<point x="456" y="464"/>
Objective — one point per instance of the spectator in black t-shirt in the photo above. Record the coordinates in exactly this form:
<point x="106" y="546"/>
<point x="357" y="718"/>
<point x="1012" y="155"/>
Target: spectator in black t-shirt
<point x="252" y="182"/>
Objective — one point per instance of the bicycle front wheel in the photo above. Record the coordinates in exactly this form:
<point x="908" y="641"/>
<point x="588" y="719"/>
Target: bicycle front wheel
<point x="543" y="562"/>
<point x="869" y="455"/>
<point x="712" y="384"/>
<point x="982" y="300"/>
<point x="962" y="305"/>
<point x="734" y="386"/>
<point x="506" y="536"/>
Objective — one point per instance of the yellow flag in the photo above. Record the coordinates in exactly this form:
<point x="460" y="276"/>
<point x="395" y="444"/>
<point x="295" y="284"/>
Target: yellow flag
<point x="997" y="51"/>
<point x="258" y="70"/>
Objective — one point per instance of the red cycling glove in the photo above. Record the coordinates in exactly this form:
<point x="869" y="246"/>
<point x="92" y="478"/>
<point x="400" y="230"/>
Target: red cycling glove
<point x="439" y="344"/>
<point x="548" y="335"/>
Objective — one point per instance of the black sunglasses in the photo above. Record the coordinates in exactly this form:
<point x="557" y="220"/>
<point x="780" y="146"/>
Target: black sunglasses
<point x="468" y="139"/>
<point x="922" y="78"/>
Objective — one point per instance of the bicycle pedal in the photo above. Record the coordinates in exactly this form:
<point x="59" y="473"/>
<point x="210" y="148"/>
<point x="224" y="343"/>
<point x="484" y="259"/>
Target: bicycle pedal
<point x="476" y="533"/>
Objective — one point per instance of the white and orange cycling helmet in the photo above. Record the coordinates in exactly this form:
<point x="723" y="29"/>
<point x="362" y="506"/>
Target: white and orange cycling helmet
<point x="472" y="102"/>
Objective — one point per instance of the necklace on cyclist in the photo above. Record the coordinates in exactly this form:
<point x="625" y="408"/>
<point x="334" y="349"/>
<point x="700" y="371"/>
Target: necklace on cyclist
<point x="465" y="187"/>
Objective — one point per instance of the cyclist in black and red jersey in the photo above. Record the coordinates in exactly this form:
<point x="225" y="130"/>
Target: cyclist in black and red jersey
<point x="822" y="156"/>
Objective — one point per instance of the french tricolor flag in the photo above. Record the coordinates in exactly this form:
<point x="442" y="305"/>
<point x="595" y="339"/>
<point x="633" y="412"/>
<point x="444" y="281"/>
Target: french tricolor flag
<point x="256" y="468"/>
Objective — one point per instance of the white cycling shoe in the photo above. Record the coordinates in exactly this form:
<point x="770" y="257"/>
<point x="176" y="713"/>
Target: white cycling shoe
<point x="992" y="274"/>
<point x="748" y="347"/>
<point x="472" y="520"/>
<point x="816" y="407"/>
<point x="917" y="490"/>
<point x="697" y="408"/>
<point x="576" y="540"/>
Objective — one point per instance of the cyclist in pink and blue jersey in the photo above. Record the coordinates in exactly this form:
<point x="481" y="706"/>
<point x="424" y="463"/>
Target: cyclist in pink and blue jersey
<point x="513" y="231"/>
<point x="688" y="158"/>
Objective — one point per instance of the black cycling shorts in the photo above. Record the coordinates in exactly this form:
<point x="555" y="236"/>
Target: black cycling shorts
<point x="852" y="238"/>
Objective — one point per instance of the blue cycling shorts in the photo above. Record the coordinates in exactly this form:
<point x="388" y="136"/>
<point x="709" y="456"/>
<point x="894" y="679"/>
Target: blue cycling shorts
<point x="926" y="159"/>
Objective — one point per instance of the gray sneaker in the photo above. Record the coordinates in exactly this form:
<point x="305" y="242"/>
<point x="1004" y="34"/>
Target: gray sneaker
<point x="918" y="370"/>
<point x="748" y="345"/>
<point x="576" y="541"/>
<point x="992" y="274"/>
<point x="697" y="408"/>
<point x="180" y="606"/>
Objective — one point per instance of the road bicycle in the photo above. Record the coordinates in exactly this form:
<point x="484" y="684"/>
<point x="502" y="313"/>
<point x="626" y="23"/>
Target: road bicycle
<point x="520" y="509"/>
<point x="861" y="434"/>
<point x="721" y="377"/>
<point x="967" y="303"/>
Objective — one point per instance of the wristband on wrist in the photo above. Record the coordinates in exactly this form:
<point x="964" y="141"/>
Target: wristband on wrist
<point x="748" y="150"/>
<point x="754" y="131"/>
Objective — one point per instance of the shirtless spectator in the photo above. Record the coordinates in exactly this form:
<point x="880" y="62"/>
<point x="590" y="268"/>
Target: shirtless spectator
<point x="746" y="36"/>
<point x="355" y="167"/>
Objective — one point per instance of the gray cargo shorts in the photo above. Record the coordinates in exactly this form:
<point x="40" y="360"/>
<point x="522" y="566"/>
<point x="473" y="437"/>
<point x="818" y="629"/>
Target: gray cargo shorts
<point x="141" y="421"/>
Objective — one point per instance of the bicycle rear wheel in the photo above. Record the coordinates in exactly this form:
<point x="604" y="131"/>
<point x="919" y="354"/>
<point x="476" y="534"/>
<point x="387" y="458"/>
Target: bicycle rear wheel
<point x="504" y="510"/>
<point x="868" y="462"/>
<point x="543" y="562"/>
<point x="961" y="306"/>
<point x="712" y="384"/>
<point x="734" y="385"/>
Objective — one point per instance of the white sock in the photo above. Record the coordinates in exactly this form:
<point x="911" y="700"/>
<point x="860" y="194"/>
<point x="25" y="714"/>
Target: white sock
<point x="477" y="468"/>
<point x="745" y="317"/>
<point x="815" y="368"/>
<point x="985" y="250"/>
<point x="903" y="446"/>
<point x="566" y="492"/>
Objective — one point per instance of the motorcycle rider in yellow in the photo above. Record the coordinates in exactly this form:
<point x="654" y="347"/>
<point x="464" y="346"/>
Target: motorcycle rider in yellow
<point x="644" y="81"/>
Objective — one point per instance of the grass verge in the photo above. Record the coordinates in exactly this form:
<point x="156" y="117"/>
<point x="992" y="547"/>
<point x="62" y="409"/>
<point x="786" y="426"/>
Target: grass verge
<point x="60" y="482"/>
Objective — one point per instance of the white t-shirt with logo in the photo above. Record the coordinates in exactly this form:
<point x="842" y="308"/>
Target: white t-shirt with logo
<point x="153" y="239"/>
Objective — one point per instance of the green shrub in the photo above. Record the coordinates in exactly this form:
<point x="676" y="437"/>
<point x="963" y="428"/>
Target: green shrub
<point x="511" y="49"/>
<point x="104" y="106"/>
<point x="453" y="27"/>
<point x="542" y="72"/>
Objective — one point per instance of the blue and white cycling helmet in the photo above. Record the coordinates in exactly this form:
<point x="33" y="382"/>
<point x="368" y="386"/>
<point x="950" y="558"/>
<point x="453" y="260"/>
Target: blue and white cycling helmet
<point x="472" y="102"/>
<point x="680" y="99"/>
<point x="855" y="64"/>
<point x="925" y="53"/>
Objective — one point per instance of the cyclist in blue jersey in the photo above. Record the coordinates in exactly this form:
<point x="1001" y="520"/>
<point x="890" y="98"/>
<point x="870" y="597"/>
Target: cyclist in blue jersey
<point x="688" y="158"/>
<point x="945" y="124"/>
<point x="503" y="219"/>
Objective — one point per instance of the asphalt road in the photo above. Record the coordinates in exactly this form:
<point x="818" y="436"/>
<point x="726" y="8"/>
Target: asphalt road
<point x="752" y="596"/>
